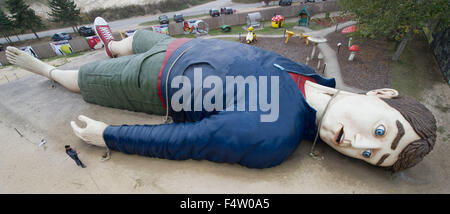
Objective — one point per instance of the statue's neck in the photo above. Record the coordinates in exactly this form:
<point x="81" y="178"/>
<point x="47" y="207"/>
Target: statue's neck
<point x="318" y="96"/>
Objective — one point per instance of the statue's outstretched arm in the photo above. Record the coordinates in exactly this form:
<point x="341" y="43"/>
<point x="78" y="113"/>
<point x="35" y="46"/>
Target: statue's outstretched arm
<point x="224" y="137"/>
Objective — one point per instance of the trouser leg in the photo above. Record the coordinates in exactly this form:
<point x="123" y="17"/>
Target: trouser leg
<point x="77" y="161"/>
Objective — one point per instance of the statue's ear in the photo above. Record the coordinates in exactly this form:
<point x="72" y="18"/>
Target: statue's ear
<point x="386" y="93"/>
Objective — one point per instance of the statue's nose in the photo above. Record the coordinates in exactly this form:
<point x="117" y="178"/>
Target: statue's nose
<point x="362" y="142"/>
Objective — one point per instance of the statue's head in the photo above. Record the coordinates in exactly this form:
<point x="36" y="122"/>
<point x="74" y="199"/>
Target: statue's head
<point x="380" y="128"/>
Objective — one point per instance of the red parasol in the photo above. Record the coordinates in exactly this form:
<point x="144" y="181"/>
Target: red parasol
<point x="350" y="29"/>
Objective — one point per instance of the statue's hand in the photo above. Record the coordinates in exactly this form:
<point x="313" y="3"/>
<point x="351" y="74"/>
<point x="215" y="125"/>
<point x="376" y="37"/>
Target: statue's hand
<point x="92" y="133"/>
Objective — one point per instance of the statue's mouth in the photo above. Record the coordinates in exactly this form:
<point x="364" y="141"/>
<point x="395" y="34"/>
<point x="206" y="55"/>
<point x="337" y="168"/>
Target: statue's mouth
<point x="339" y="136"/>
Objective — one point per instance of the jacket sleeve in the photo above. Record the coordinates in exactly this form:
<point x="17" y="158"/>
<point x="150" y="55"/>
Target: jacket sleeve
<point x="230" y="137"/>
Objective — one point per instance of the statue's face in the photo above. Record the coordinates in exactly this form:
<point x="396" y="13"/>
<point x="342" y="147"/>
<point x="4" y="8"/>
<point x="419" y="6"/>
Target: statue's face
<point x="366" y="128"/>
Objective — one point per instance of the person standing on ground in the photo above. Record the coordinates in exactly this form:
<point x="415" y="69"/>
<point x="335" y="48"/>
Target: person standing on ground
<point x="74" y="155"/>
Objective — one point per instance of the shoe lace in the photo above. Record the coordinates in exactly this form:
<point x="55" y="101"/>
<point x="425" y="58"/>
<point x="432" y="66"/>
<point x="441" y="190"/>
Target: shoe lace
<point x="107" y="33"/>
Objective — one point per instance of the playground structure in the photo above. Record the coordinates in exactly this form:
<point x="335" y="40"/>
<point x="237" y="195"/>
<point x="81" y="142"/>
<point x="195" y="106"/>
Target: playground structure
<point x="316" y="41"/>
<point x="195" y="26"/>
<point x="254" y="20"/>
<point x="162" y="29"/>
<point x="304" y="17"/>
<point x="277" y="21"/>
<point x="266" y="14"/>
<point x="251" y="35"/>
<point x="353" y="49"/>
<point x="301" y="36"/>
<point x="226" y="28"/>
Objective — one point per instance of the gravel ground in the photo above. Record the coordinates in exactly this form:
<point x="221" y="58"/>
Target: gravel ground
<point x="295" y="50"/>
<point x="370" y="67"/>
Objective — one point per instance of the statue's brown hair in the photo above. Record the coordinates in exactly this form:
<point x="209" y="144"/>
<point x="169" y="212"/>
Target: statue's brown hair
<point x="424" y="124"/>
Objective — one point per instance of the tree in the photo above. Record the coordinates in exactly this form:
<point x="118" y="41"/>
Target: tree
<point x="64" y="11"/>
<point x="396" y="20"/>
<point x="6" y="26"/>
<point x="24" y="17"/>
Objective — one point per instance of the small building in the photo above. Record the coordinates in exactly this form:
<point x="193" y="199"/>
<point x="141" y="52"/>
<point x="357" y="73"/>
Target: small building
<point x="304" y="17"/>
<point x="277" y="21"/>
<point x="254" y="20"/>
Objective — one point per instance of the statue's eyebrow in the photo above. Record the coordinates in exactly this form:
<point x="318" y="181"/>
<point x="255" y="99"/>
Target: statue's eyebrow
<point x="400" y="133"/>
<point x="382" y="159"/>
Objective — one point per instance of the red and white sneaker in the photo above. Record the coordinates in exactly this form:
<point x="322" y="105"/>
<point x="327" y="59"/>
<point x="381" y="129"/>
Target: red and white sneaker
<point x="103" y="31"/>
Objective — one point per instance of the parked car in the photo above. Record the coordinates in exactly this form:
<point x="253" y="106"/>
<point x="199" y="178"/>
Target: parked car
<point x="310" y="0"/>
<point x="86" y="31"/>
<point x="285" y="2"/>
<point x="163" y="20"/>
<point x="61" y="36"/>
<point x="226" y="10"/>
<point x="214" y="12"/>
<point x="178" y="18"/>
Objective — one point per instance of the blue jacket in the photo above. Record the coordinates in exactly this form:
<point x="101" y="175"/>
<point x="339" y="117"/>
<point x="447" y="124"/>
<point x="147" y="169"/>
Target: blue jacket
<point x="225" y="136"/>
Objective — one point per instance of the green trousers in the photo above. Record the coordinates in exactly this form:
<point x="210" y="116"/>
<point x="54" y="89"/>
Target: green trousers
<point x="128" y="82"/>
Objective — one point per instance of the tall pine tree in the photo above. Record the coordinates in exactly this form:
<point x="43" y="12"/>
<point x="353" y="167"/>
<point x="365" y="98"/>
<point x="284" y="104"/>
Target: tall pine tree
<point x="64" y="11"/>
<point x="24" y="17"/>
<point x="6" y="26"/>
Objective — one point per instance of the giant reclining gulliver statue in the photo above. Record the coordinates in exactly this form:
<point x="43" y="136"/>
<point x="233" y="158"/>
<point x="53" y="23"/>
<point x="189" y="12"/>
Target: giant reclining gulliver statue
<point x="235" y="103"/>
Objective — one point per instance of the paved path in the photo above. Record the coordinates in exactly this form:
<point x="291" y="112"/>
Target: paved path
<point x="333" y="69"/>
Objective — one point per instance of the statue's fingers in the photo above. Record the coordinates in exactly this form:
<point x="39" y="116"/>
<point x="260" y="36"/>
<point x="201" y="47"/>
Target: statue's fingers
<point x="11" y="60"/>
<point x="76" y="129"/>
<point x="13" y="50"/>
<point x="85" y="119"/>
<point x="10" y="54"/>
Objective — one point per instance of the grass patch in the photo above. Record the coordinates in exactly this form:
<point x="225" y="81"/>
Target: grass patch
<point x="151" y="23"/>
<point x="441" y="108"/>
<point x="441" y="129"/>
<point x="236" y="29"/>
<point x="268" y="30"/>
<point x="314" y="26"/>
<point x="416" y="70"/>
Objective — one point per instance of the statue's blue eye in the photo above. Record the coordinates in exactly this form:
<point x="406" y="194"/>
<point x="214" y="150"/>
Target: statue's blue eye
<point x="367" y="153"/>
<point x="380" y="130"/>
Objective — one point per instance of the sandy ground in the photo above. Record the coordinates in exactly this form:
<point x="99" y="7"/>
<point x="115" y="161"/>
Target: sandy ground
<point x="31" y="106"/>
